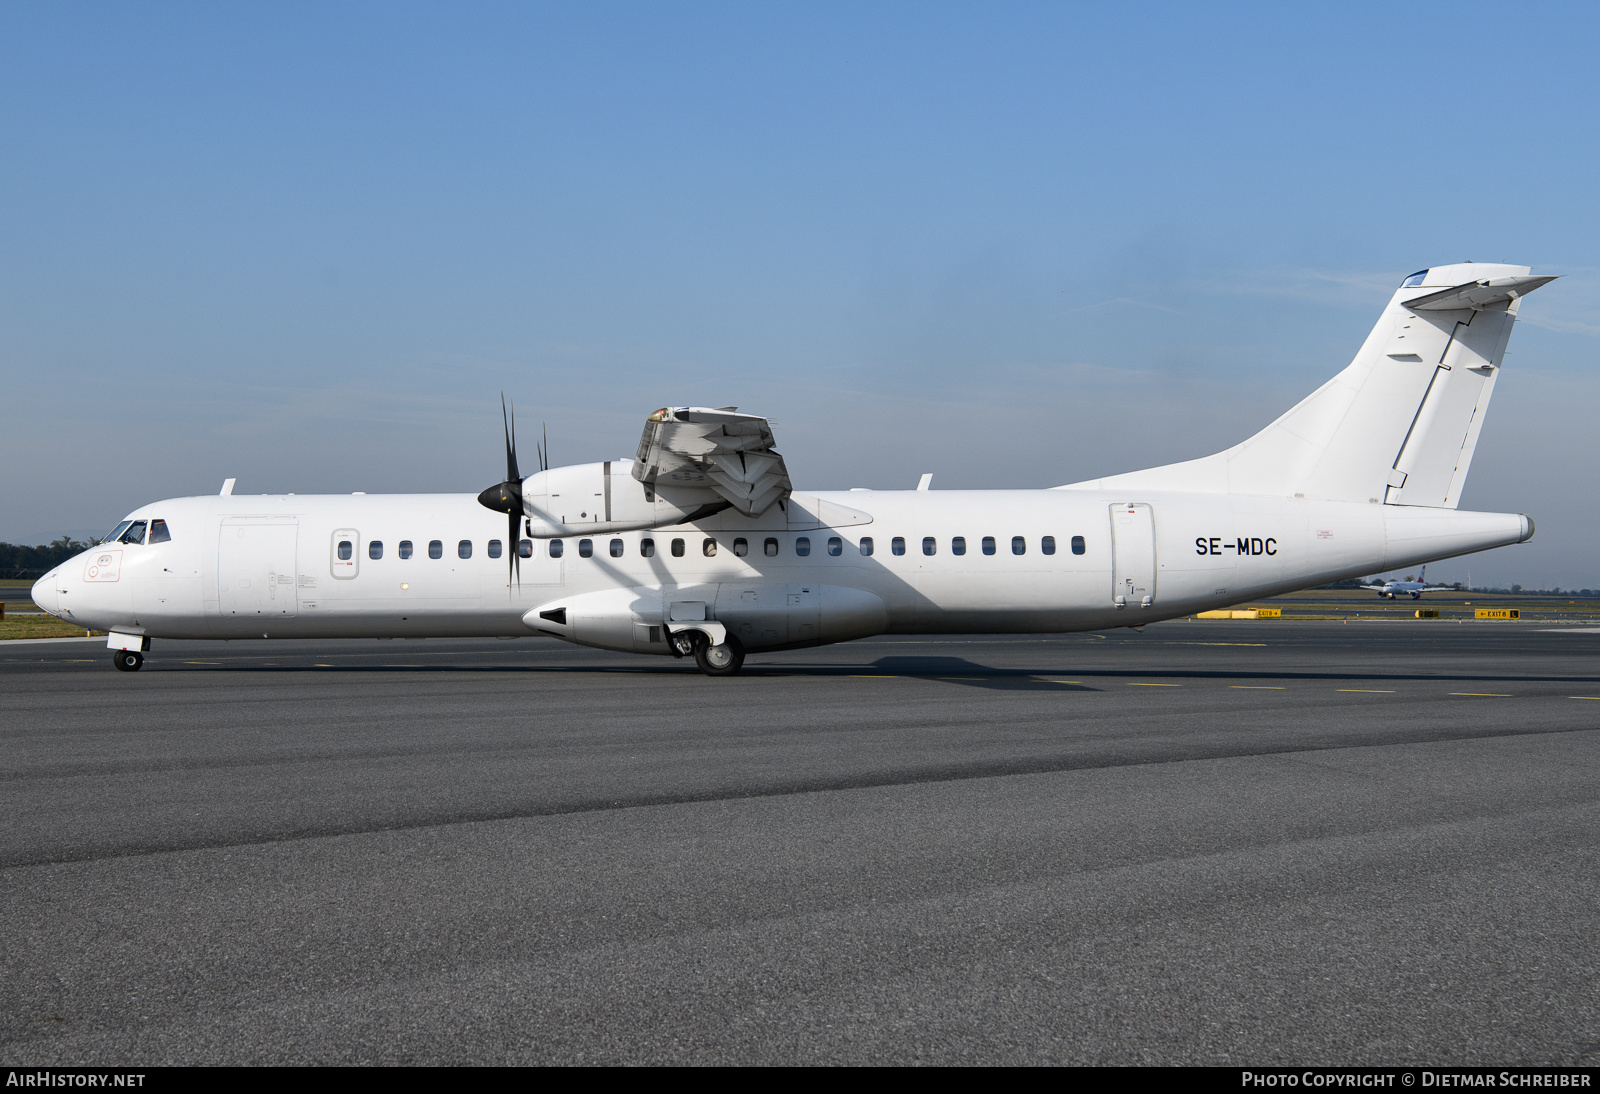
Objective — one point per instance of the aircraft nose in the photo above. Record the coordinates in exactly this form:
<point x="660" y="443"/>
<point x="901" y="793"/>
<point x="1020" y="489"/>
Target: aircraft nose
<point x="44" y="593"/>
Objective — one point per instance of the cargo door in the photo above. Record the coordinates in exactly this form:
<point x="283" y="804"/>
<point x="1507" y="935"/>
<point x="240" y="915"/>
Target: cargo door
<point x="256" y="568"/>
<point x="1133" y="541"/>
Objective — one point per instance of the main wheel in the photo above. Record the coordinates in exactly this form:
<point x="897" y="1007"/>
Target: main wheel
<point x="723" y="660"/>
<point x="127" y="660"/>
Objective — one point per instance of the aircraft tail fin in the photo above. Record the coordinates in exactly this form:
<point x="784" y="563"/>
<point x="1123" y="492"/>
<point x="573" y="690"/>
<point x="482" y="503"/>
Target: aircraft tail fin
<point x="1399" y="425"/>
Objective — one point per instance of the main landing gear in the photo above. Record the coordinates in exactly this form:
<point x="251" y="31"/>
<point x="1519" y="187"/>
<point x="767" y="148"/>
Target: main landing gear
<point x="723" y="660"/>
<point x="127" y="660"/>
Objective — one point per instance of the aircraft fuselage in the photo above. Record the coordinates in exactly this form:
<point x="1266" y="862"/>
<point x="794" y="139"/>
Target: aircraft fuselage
<point x="288" y="566"/>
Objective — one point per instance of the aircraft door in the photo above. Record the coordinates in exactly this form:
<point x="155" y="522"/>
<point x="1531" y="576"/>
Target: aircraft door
<point x="256" y="569"/>
<point x="1133" y="541"/>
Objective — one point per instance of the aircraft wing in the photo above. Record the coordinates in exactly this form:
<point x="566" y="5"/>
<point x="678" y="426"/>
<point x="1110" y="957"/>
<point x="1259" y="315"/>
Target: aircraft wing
<point x="1378" y="588"/>
<point x="717" y="449"/>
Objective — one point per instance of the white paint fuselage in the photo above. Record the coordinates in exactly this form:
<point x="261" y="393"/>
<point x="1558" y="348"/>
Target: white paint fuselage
<point x="1210" y="550"/>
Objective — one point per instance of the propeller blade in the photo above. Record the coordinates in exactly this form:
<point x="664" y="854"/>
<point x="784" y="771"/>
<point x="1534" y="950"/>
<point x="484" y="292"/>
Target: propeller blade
<point x="510" y="419"/>
<point x="515" y="548"/>
<point x="506" y="497"/>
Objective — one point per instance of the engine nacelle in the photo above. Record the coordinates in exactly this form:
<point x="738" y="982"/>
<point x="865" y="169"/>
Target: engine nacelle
<point x="588" y="498"/>
<point x="761" y="615"/>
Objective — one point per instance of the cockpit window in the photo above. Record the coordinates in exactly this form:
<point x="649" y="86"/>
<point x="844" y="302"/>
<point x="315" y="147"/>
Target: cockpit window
<point x="115" y="535"/>
<point x="134" y="534"/>
<point x="159" y="533"/>
<point x="1414" y="280"/>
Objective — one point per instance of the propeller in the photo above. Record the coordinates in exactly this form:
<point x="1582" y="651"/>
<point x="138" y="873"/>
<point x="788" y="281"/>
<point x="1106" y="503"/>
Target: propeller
<point x="506" y="497"/>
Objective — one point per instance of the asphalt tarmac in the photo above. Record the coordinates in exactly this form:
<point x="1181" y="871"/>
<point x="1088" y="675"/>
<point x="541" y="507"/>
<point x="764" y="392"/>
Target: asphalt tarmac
<point x="1234" y="843"/>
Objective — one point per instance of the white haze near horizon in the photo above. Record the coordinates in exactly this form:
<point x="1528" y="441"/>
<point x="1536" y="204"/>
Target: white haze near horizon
<point x="294" y="251"/>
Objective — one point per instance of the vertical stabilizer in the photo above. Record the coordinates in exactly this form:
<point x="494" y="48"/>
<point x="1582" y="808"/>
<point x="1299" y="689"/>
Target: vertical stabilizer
<point x="1400" y="424"/>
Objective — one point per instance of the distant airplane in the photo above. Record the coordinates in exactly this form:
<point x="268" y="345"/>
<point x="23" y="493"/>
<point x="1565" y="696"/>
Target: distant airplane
<point x="1416" y="588"/>
<point x="699" y="547"/>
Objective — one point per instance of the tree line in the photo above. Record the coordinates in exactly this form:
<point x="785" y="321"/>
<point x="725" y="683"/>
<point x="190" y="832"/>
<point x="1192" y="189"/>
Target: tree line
<point x="21" y="561"/>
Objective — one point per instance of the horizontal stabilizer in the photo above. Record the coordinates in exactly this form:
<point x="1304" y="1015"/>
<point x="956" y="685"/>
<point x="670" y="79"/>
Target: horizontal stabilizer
<point x="1477" y="295"/>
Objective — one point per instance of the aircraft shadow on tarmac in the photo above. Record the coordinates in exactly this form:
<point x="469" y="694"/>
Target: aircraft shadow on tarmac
<point x="945" y="669"/>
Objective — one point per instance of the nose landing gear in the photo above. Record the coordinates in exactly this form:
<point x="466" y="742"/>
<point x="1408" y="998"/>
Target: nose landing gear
<point x="127" y="660"/>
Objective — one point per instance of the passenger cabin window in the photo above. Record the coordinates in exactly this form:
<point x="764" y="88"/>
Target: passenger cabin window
<point x="897" y="545"/>
<point x="929" y="545"/>
<point x="647" y="548"/>
<point x="346" y="550"/>
<point x="866" y="545"/>
<point x="802" y="546"/>
<point x="464" y="548"/>
<point x="835" y="545"/>
<point x="708" y="548"/>
<point x="159" y="533"/>
<point x="616" y="548"/>
<point x="557" y="548"/>
<point x="134" y="534"/>
<point x="1019" y="546"/>
<point x="496" y="548"/>
<point x="771" y="548"/>
<point x="375" y="549"/>
<point x="586" y="548"/>
<point x="677" y="548"/>
<point x="741" y="547"/>
<point x="405" y="548"/>
<point x="435" y="548"/>
<point x="524" y="548"/>
<point x="1048" y="545"/>
<point x="1077" y="545"/>
<point x="988" y="545"/>
<point x="958" y="545"/>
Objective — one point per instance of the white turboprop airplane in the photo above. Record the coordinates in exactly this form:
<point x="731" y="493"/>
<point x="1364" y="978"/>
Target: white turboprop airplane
<point x="699" y="547"/>
<point x="1414" y="589"/>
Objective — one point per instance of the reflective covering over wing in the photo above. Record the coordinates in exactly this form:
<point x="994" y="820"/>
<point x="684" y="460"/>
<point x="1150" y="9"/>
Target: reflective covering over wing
<point x="720" y="450"/>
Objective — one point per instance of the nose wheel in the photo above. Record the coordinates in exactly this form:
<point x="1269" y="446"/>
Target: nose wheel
<point x="127" y="660"/>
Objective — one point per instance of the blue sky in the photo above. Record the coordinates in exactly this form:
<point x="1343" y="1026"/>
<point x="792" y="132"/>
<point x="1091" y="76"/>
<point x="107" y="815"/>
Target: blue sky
<point x="1014" y="245"/>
